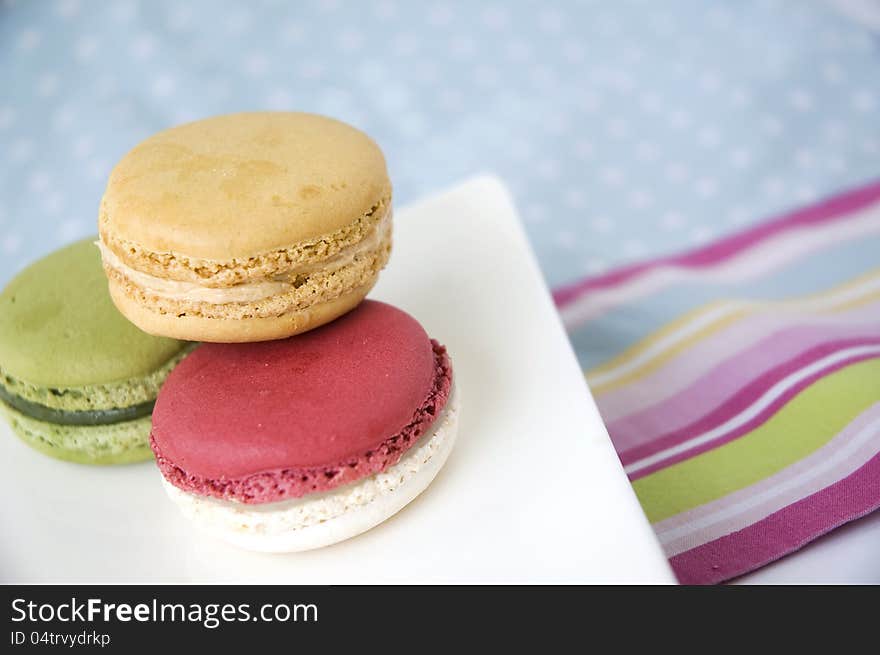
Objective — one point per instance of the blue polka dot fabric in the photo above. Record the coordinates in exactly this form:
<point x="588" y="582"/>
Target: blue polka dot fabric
<point x="625" y="130"/>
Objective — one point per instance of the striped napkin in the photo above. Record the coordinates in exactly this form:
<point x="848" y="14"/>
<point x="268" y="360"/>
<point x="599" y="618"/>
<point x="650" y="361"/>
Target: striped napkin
<point x="740" y="383"/>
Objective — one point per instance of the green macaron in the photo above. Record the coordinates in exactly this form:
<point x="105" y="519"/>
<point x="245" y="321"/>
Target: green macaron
<point x="77" y="380"/>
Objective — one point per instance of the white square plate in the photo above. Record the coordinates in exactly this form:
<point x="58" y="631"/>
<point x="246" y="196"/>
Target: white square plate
<point x="532" y="493"/>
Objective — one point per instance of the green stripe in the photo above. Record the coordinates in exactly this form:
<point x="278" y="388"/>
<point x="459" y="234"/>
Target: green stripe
<point x="804" y="424"/>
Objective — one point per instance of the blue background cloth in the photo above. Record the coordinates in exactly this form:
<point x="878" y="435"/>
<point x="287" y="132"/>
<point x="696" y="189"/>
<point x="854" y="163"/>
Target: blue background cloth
<point x="624" y="129"/>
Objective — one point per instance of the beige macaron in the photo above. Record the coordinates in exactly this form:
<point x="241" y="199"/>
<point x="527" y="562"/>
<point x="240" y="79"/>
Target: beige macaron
<point x="245" y="227"/>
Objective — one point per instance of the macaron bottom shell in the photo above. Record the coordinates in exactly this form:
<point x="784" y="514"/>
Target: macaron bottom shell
<point x="123" y="442"/>
<point x="325" y="518"/>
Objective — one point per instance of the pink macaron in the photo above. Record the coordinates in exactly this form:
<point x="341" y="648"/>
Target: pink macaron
<point x="289" y="445"/>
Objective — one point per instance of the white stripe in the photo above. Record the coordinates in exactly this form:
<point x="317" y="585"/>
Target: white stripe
<point x="753" y="410"/>
<point x="826" y="464"/>
<point x="771" y="254"/>
<point x="808" y="305"/>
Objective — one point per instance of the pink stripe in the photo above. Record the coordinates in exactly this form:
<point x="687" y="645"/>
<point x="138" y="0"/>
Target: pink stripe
<point x="680" y="372"/>
<point x="832" y="209"/>
<point x="687" y="530"/>
<point x="728" y="378"/>
<point x="784" y="531"/>
<point x="737" y="404"/>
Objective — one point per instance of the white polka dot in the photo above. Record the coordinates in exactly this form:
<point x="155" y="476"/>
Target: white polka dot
<point x="675" y="172"/>
<point x="86" y="48"/>
<point x="180" y="18"/>
<point x="53" y="202"/>
<point x="350" y="40"/>
<point x="583" y="149"/>
<point x="634" y="248"/>
<point x="543" y="76"/>
<point x="124" y="11"/>
<point x="621" y="80"/>
<point x="871" y="146"/>
<point x="520" y="149"/>
<point x="588" y="101"/>
<point x="11" y="244"/>
<point x="551" y="21"/>
<point x="292" y="33"/>
<point x="672" y="220"/>
<point x="38" y="181"/>
<point x="576" y="199"/>
<point x="63" y="118"/>
<point x="801" y="100"/>
<point x="701" y="234"/>
<point x="386" y="10"/>
<point x="556" y="124"/>
<point x="255" y="64"/>
<point x="602" y="224"/>
<point x="547" y="169"/>
<point x="679" y="119"/>
<point x="832" y="72"/>
<point x="412" y="125"/>
<point x="771" y="125"/>
<point x="518" y="51"/>
<point x="805" y="194"/>
<point x="67" y="8"/>
<point x="462" y="46"/>
<point x="608" y="25"/>
<point x="237" y="22"/>
<point x="740" y="157"/>
<point x="864" y="101"/>
<point x="47" y="85"/>
<point x="706" y="187"/>
<point x="611" y="175"/>
<point x="486" y="75"/>
<point x="640" y="199"/>
<point x="594" y="266"/>
<point x="439" y="15"/>
<point x="98" y="169"/>
<point x="566" y="239"/>
<point x="22" y="150"/>
<point x="7" y="117"/>
<point x="773" y="187"/>
<point x="495" y="18"/>
<point x="647" y="151"/>
<point x="738" y="215"/>
<point x="28" y="40"/>
<point x="574" y="52"/>
<point x="311" y="69"/>
<point x="710" y="81"/>
<point x="804" y="158"/>
<point x="649" y="102"/>
<point x="83" y="146"/>
<point x="834" y="131"/>
<point x="143" y="46"/>
<point x="279" y="99"/>
<point x="618" y="127"/>
<point x="741" y="98"/>
<point x="163" y="85"/>
<point x="836" y="164"/>
<point x="535" y="213"/>
<point x="70" y="229"/>
<point x="708" y="137"/>
<point x="451" y="99"/>
<point x="405" y="45"/>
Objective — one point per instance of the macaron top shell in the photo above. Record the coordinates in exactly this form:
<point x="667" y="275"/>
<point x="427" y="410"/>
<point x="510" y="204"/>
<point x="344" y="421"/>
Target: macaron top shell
<point x="59" y="327"/>
<point x="238" y="185"/>
<point x="316" y="399"/>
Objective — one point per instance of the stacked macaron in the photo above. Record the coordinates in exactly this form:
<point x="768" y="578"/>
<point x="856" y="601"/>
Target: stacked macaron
<point x="77" y="381"/>
<point x="309" y="416"/>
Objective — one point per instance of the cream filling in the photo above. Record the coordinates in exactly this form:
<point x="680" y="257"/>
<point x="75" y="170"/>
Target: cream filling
<point x="252" y="291"/>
